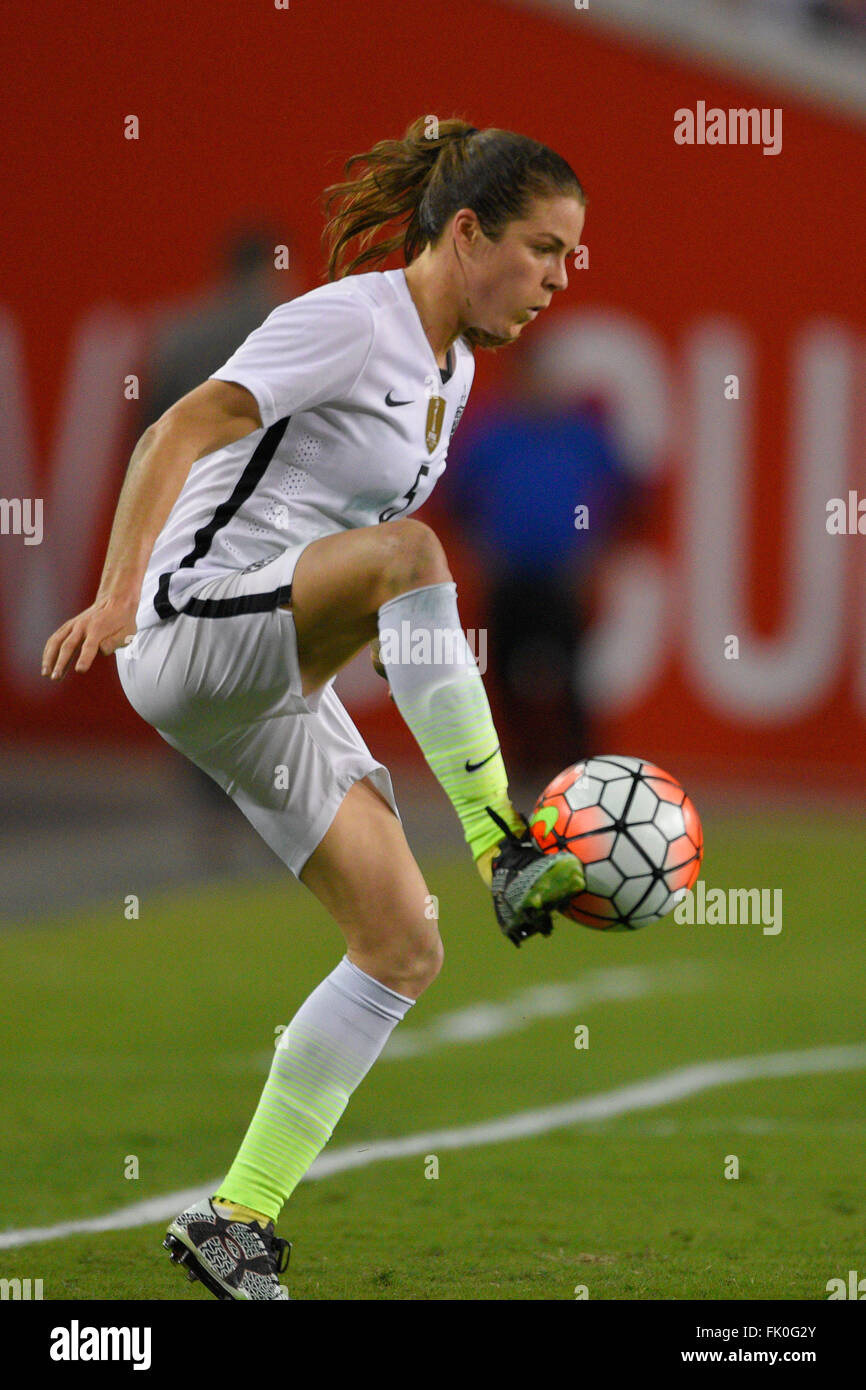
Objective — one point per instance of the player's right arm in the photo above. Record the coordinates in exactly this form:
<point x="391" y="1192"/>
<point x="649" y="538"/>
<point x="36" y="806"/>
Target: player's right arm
<point x="210" y="417"/>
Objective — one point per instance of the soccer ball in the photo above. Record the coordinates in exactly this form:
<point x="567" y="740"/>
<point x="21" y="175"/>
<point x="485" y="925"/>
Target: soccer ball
<point x="634" y="830"/>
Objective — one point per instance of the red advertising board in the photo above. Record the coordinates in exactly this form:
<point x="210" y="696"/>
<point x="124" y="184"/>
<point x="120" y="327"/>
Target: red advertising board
<point x="707" y="262"/>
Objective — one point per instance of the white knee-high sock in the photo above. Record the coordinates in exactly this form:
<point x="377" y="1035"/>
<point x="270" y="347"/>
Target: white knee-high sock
<point x="326" y="1051"/>
<point x="438" y="690"/>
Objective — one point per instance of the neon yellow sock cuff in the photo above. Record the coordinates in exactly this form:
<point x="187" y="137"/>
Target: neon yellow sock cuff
<point x="240" y="1213"/>
<point x="484" y="859"/>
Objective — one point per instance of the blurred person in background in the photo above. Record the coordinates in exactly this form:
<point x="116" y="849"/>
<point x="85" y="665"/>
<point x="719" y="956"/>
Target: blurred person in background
<point x="192" y="338"/>
<point x="833" y="19"/>
<point x="522" y="473"/>
<point x="838" y="18"/>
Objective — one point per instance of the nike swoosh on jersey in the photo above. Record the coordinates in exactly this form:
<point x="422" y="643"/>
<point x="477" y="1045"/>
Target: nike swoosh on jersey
<point x="473" y="767"/>
<point x="388" y="401"/>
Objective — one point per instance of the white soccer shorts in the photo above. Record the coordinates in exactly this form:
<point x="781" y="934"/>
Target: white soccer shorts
<point x="226" y="692"/>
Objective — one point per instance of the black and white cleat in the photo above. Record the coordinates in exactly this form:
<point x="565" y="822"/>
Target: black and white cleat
<point x="233" y="1259"/>
<point x="528" y="885"/>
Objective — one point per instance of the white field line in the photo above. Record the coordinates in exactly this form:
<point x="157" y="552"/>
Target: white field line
<point x="480" y="1022"/>
<point x="671" y="1086"/>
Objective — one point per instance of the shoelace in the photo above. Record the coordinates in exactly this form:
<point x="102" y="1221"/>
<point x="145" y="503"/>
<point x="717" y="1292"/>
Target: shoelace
<point x="509" y="833"/>
<point x="280" y="1249"/>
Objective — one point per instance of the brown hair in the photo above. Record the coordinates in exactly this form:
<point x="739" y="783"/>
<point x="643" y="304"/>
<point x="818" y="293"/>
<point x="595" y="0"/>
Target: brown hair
<point x="424" y="181"/>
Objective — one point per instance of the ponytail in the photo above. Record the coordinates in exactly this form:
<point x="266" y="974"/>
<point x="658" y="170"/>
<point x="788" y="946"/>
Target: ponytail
<point x="394" y="186"/>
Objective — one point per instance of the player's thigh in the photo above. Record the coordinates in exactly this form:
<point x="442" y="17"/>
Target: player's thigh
<point x="341" y="581"/>
<point x="365" y="874"/>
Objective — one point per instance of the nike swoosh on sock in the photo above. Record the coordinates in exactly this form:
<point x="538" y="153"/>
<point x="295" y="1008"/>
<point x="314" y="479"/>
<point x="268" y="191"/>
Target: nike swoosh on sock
<point x="471" y="767"/>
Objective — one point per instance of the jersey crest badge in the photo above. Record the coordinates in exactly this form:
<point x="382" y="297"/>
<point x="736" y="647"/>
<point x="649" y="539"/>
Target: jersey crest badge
<point x="435" y="417"/>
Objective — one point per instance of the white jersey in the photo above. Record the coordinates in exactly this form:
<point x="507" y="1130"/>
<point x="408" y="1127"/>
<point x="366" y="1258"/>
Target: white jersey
<point x="356" y="421"/>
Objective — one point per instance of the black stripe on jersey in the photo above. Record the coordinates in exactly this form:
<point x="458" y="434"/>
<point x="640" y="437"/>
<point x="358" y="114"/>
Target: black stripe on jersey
<point x="203" y="540"/>
<point x="244" y="603"/>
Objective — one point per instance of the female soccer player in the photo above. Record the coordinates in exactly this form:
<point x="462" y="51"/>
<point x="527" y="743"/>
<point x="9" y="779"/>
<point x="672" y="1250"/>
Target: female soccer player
<point x="261" y="538"/>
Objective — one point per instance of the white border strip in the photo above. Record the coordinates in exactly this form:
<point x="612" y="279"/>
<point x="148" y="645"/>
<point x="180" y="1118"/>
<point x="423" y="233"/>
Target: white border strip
<point x="641" y="1095"/>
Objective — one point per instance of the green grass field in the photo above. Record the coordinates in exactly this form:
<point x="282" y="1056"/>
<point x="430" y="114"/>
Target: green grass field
<point x="151" y="1038"/>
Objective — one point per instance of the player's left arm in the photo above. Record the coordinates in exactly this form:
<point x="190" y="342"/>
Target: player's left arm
<point x="213" y="415"/>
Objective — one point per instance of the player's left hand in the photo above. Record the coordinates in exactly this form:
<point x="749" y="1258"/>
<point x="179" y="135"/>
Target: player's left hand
<point x="103" y="627"/>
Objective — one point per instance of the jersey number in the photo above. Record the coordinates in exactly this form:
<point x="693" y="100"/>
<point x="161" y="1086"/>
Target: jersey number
<point x="390" y="512"/>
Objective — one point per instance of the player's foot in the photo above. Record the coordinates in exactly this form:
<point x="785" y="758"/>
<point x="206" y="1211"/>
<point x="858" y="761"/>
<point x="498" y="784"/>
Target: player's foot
<point x="528" y="885"/>
<point x="233" y="1259"/>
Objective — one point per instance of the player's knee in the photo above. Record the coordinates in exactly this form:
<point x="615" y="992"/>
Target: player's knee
<point x="412" y="556"/>
<point x="411" y="961"/>
<point x="425" y="962"/>
<point x="433" y="959"/>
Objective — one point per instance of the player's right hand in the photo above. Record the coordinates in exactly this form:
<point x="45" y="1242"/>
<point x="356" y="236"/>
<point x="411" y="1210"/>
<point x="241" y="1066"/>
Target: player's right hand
<point x="376" y="659"/>
<point x="103" y="627"/>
